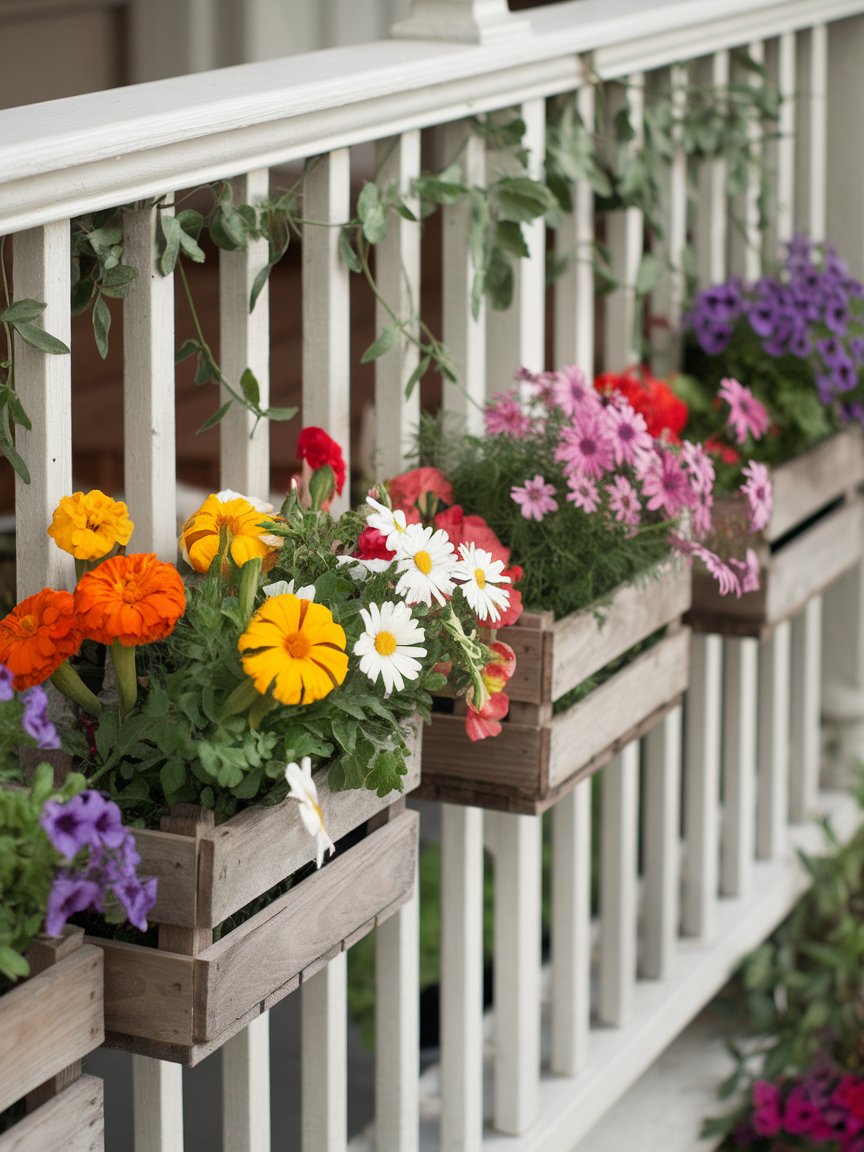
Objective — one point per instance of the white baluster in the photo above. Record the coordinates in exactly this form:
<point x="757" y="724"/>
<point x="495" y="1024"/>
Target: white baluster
<point x="668" y="296"/>
<point x="571" y="930"/>
<point x="397" y="1030"/>
<point x="517" y="336"/>
<point x="746" y="239"/>
<point x="811" y="141"/>
<point x="739" y="765"/>
<point x="574" y="289"/>
<point x="244" y="342"/>
<point x="246" y="1088"/>
<point x="780" y="153"/>
<point x="618" y="845"/>
<point x="324" y="1062"/>
<point x="621" y="342"/>
<point x="661" y="814"/>
<point x="461" y="978"/>
<point x="326" y="313"/>
<point x="40" y="271"/>
<point x="148" y="374"/>
<point x="397" y="267"/>
<point x="806" y="662"/>
<point x="772" y="805"/>
<point x="702" y="788"/>
<point x="157" y="1102"/>
<point x="517" y="970"/>
<point x="711" y="231"/>
<point x="475" y="21"/>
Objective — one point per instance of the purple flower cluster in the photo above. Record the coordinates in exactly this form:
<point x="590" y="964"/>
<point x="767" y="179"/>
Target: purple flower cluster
<point x="34" y="719"/>
<point x="823" y="1106"/>
<point x="103" y="862"/>
<point x="807" y="312"/>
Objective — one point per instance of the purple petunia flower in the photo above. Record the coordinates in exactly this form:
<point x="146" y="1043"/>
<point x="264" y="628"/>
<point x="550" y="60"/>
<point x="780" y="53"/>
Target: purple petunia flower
<point x="69" y="894"/>
<point x="137" y="897"/>
<point x="7" y="690"/>
<point x="35" y="720"/>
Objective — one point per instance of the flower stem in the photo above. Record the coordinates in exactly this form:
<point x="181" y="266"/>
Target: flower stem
<point x="249" y="574"/>
<point x="67" y="681"/>
<point x="123" y="659"/>
<point x="243" y="697"/>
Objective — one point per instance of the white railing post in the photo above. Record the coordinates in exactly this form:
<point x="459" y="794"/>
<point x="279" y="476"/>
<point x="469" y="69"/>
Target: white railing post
<point x="711" y="230"/>
<point x="668" y="296"/>
<point x="772" y="802"/>
<point x="571" y="930"/>
<point x="618" y="847"/>
<point x="746" y="247"/>
<point x="157" y="1102"/>
<point x="702" y="788"/>
<point x="780" y="153"/>
<point x="739" y="765"/>
<point x="806" y="661"/>
<point x="246" y="1088"/>
<point x="397" y="1030"/>
<point x="621" y="341"/>
<point x="475" y="21"/>
<point x="574" y="289"/>
<point x="811" y="143"/>
<point x="661" y="819"/>
<point x="324" y="1062"/>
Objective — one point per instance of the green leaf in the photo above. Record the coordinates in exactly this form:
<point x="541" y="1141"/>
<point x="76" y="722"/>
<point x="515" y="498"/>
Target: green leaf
<point x="82" y="294"/>
<point x="250" y="388"/>
<point x="346" y="250"/>
<point x="214" y="419"/>
<point x="101" y="325"/>
<point x="169" y="242"/>
<point x="257" y="285"/>
<point x="520" y="198"/>
<point x="280" y="413"/>
<point x="204" y="371"/>
<point x="40" y="339"/>
<point x="624" y="130"/>
<point x="23" y="311"/>
<point x="172" y="776"/>
<point x="508" y="237"/>
<point x="499" y="281"/>
<point x="190" y="223"/>
<point x="648" y="273"/>
<point x="116" y="281"/>
<point x="384" y="342"/>
<point x="371" y="213"/>
<point x="417" y="375"/>
<point x="344" y="733"/>
<point x="187" y="348"/>
<point x="12" y="964"/>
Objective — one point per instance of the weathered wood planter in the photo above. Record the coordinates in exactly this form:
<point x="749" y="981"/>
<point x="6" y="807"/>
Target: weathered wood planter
<point x="183" y="1000"/>
<point x="816" y="534"/>
<point x="47" y="1024"/>
<point x="539" y="756"/>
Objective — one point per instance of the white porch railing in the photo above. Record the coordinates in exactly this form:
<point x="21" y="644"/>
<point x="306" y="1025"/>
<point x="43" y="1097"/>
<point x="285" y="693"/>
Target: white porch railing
<point x="549" y="1084"/>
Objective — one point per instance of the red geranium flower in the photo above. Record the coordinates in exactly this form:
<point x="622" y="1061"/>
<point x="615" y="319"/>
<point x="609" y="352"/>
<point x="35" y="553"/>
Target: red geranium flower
<point x="317" y="449"/>
<point x="486" y="721"/>
<point x="372" y="545"/>
<point x="421" y="488"/>
<point x="662" y="409"/>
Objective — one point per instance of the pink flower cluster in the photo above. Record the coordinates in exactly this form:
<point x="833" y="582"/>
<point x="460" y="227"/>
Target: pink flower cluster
<point x="824" y="1107"/>
<point x="610" y="464"/>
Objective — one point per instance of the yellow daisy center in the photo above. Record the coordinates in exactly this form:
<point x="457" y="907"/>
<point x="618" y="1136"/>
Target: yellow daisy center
<point x="480" y="578"/>
<point x="385" y="643"/>
<point x="297" y="645"/>
<point x="424" y="562"/>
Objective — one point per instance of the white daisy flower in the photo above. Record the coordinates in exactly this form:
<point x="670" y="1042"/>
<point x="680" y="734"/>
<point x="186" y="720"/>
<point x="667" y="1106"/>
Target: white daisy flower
<point x="425" y="561"/>
<point x="359" y="569"/>
<point x="478" y="575"/>
<point x="390" y="524"/>
<point x="228" y="494"/>
<point x="304" y="791"/>
<point x="388" y="647"/>
<point x="282" y="587"/>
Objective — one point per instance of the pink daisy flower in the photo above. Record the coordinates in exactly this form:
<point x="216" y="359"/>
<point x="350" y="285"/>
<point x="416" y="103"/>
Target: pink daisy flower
<point x="703" y="520"/>
<point x="665" y="484"/>
<point x="748" y="571"/>
<point x="535" y="498"/>
<point x="586" y="447"/>
<point x="700" y="466"/>
<point x="504" y="417"/>
<point x="545" y="386"/>
<point x="760" y="494"/>
<point x="727" y="579"/>
<point x="583" y="493"/>
<point x="747" y="415"/>
<point x="624" y="501"/>
<point x="572" y="390"/>
<point x="628" y="429"/>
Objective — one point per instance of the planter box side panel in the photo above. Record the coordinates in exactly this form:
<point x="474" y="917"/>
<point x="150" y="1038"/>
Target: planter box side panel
<point x="49" y="1022"/>
<point x="148" y="993"/>
<point x="804" y="485"/>
<point x="306" y="926"/>
<point x="74" y="1121"/>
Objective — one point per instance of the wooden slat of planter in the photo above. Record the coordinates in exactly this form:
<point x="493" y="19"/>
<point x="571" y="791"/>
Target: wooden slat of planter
<point x="147" y="992"/>
<point x="283" y="940"/>
<point x="810" y="482"/>
<point x="72" y="1122"/>
<point x="816" y="559"/>
<point x="255" y="849"/>
<point x="173" y="860"/>
<point x="49" y="1022"/>
<point x="608" y="716"/>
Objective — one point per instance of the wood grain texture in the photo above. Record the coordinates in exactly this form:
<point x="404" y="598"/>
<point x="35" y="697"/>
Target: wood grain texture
<point x="49" y="1022"/>
<point x="188" y="820"/>
<point x="809" y="482"/>
<point x="171" y="858"/>
<point x="74" y="1121"/>
<point x="148" y="993"/>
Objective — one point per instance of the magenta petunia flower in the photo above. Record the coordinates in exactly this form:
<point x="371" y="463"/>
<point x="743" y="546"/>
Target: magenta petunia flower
<point x="747" y="415"/>
<point x="760" y="494"/>
<point x="535" y="498"/>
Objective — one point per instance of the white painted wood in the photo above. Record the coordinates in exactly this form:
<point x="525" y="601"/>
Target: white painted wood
<point x="667" y="300"/>
<point x="518" y="891"/>
<point x="704" y="707"/>
<point x="461" y="978"/>
<point x="662" y="856"/>
<point x="157" y="1102"/>
<point x="745" y="257"/>
<point x="574" y="289"/>
<point x="40" y="271"/>
<point x="191" y="47"/>
<point x="475" y="21"/>
<point x="806" y="662"/>
<point x="326" y="312"/>
<point x="844" y="226"/>
<point x="324" y="1079"/>
<point x="246" y="1088"/>
<point x="780" y="58"/>
<point x="772" y="802"/>
<point x="397" y="269"/>
<point x="397" y="1030"/>
<point x="625" y="237"/>
<point x="711" y="227"/>
<point x="148" y="381"/>
<point x="464" y="337"/>
<point x="571" y="930"/>
<point x="517" y="337"/>
<point x="811" y="142"/>
<point x="740" y="658"/>
<point x="244" y="342"/>
<point x="618" y="848"/>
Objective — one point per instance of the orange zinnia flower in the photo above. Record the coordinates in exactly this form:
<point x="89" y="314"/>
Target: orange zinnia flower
<point x="131" y="599"/>
<point x="38" y="635"/>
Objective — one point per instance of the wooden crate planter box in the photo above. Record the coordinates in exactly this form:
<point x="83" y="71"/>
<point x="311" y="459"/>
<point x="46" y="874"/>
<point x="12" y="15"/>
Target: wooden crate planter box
<point x="47" y="1024"/>
<point x="183" y="1000"/>
<point x="539" y="756"/>
<point x="816" y="534"/>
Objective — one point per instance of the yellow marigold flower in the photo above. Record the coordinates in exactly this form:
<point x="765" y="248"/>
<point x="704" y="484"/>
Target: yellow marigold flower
<point x="199" y="540"/>
<point x="294" y="648"/>
<point x="89" y="524"/>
